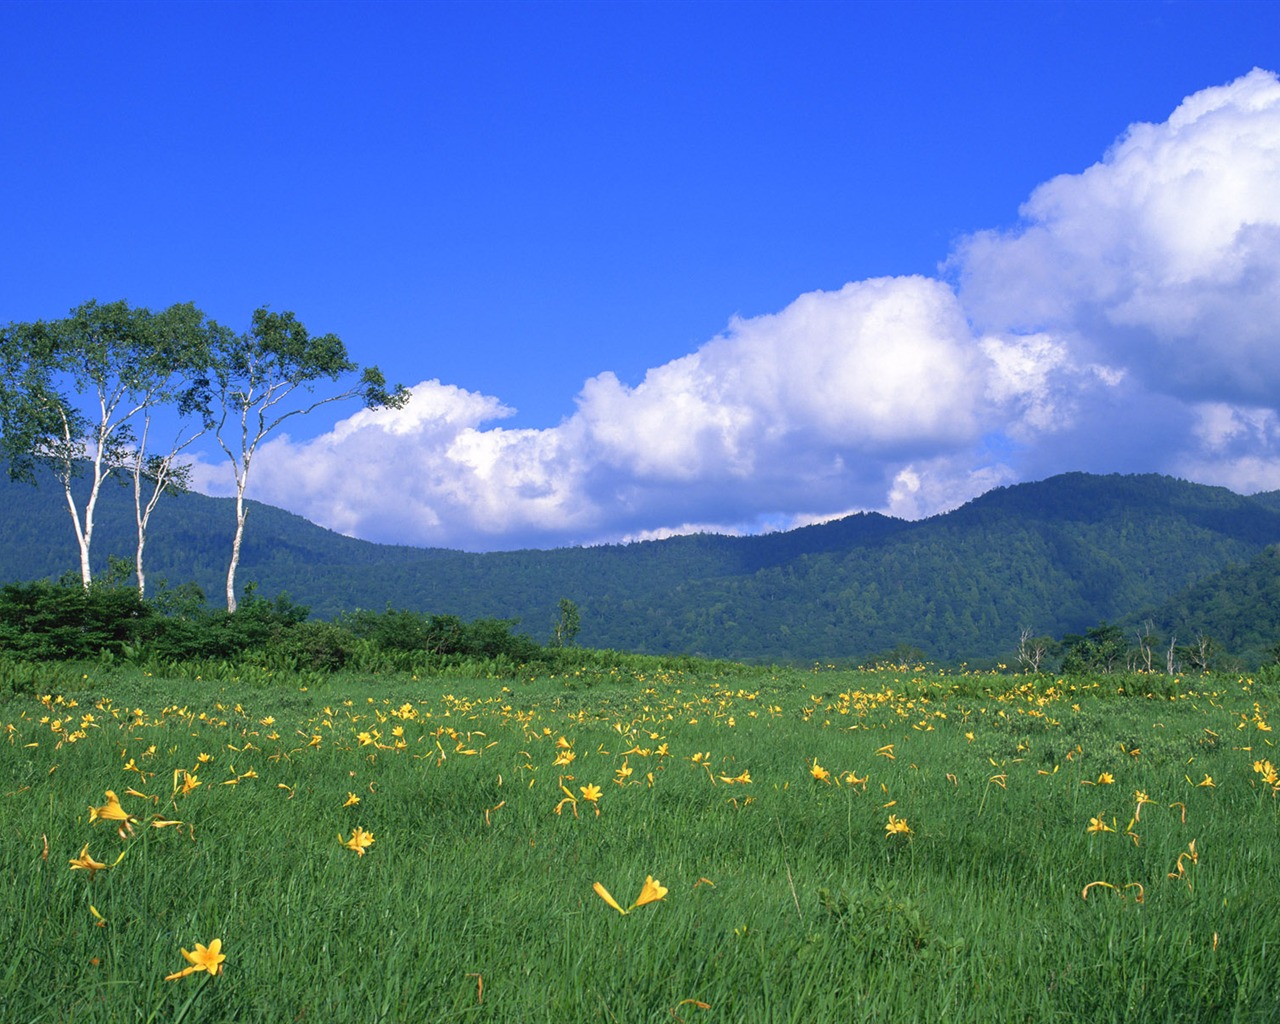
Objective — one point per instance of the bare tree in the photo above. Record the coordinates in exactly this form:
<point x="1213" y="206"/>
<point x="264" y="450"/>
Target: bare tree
<point x="1031" y="650"/>
<point x="1144" y="654"/>
<point x="1201" y="652"/>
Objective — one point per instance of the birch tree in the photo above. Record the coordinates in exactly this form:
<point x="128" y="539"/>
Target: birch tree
<point x="181" y="359"/>
<point x="72" y="391"/>
<point x="153" y="477"/>
<point x="267" y="376"/>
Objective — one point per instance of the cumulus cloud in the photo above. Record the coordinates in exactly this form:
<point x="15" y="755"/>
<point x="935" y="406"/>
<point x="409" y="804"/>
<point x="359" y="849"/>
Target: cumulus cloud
<point x="1163" y="258"/>
<point x="1128" y="322"/>
<point x="780" y="414"/>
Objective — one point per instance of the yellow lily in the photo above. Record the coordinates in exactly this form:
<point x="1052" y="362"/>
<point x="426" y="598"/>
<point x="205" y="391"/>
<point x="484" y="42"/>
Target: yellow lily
<point x="360" y="841"/>
<point x="86" y="863"/>
<point x="112" y="811"/>
<point x="651" y="892"/>
<point x="204" y="958"/>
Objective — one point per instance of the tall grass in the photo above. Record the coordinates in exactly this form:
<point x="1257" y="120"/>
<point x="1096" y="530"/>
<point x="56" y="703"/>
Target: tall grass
<point x="788" y="900"/>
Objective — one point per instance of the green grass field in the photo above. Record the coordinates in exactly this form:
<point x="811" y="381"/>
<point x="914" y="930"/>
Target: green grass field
<point x="834" y="846"/>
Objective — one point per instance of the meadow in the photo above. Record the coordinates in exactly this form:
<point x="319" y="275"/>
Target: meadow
<point x="774" y="845"/>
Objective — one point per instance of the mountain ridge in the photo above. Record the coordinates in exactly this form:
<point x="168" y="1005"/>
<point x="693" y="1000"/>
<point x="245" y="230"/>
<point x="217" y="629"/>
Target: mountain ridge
<point x="1053" y="556"/>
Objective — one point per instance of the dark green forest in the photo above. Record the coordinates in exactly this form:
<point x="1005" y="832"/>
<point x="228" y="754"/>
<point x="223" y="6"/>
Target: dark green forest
<point x="1052" y="559"/>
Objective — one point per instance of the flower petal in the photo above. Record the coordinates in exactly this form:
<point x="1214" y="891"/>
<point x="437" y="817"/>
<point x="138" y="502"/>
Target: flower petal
<point x="603" y="893"/>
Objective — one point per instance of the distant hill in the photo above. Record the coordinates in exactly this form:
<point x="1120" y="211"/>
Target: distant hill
<point x="1239" y="607"/>
<point x="1055" y="556"/>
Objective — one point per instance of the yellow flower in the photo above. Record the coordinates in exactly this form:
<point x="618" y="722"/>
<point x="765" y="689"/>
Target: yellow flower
<point x="352" y="800"/>
<point x="1207" y="781"/>
<point x="742" y="779"/>
<point x="622" y="773"/>
<point x="86" y="863"/>
<point x="603" y="893"/>
<point x="203" y="959"/>
<point x="651" y="892"/>
<point x="112" y="811"/>
<point x="590" y="793"/>
<point x="1098" y="825"/>
<point x="896" y="825"/>
<point x="1180" y="868"/>
<point x="1106" y="779"/>
<point x="360" y="841"/>
<point x="820" y="773"/>
<point x="564" y="757"/>
<point x="569" y="799"/>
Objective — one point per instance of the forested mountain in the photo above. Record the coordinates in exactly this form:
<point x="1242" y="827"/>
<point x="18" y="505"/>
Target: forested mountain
<point x="1055" y="556"/>
<point x="1239" y="608"/>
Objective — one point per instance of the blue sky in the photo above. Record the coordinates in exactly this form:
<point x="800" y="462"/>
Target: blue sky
<point x="660" y="267"/>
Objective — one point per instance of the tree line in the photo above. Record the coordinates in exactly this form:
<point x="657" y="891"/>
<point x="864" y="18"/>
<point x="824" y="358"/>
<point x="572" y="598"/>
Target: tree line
<point x="51" y="622"/>
<point x="88" y="395"/>
<point x="1108" y="648"/>
<point x="61" y="620"/>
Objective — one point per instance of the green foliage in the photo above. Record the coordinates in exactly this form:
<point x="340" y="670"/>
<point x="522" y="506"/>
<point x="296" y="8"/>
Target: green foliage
<point x="1101" y="649"/>
<point x="59" y="621"/>
<point x="568" y="623"/>
<point x="419" y="638"/>
<point x="311" y="647"/>
<point x="43" y="621"/>
<point x="1239" y="607"/>
<point x="894" y="926"/>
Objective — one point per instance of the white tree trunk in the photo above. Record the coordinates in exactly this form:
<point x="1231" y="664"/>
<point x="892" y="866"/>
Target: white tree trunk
<point x="241" y="513"/>
<point x="142" y="538"/>
<point x="82" y="538"/>
<point x="84" y="527"/>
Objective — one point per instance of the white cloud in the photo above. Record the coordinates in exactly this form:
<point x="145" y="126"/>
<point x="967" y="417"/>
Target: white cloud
<point x="941" y="485"/>
<point x="1163" y="257"/>
<point x="1130" y="322"/>
<point x="878" y="366"/>
<point x="796" y="410"/>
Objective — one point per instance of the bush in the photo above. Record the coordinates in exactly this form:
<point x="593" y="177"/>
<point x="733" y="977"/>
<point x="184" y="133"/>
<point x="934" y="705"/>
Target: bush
<point x="57" y="621"/>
